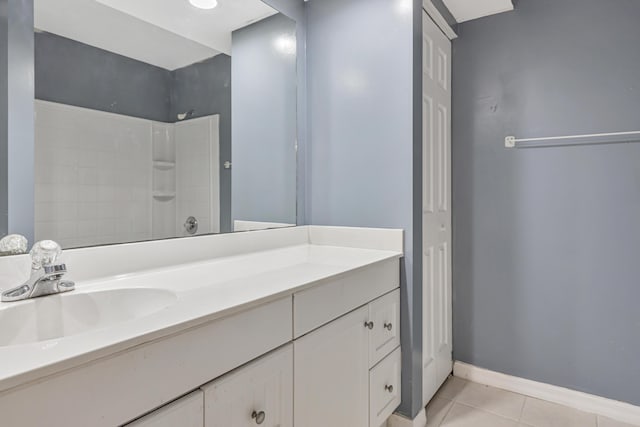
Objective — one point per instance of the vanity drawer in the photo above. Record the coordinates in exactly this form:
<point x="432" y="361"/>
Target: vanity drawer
<point x="384" y="389"/>
<point x="323" y="303"/>
<point x="185" y="412"/>
<point x="385" y="335"/>
<point x="258" y="393"/>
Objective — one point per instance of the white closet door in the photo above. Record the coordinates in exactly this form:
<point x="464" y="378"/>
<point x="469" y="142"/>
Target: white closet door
<point x="437" y="320"/>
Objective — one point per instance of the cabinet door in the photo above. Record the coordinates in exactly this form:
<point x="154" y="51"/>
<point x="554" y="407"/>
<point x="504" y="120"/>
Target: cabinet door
<point x="384" y="389"/>
<point x="185" y="412"/>
<point x="331" y="371"/>
<point x="385" y="335"/>
<point x="260" y="393"/>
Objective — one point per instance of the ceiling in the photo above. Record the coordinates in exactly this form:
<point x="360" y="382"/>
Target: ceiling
<point x="166" y="33"/>
<point x="466" y="10"/>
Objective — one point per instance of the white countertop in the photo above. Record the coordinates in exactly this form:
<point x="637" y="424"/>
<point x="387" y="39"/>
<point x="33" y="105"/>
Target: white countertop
<point x="205" y="290"/>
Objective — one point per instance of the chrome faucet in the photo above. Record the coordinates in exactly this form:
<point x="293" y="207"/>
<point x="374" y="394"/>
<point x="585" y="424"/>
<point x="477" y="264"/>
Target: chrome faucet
<point x="46" y="274"/>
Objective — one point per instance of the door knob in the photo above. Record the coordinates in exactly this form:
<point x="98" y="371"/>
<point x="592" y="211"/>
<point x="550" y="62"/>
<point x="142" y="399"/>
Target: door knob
<point x="388" y="326"/>
<point x="258" y="416"/>
<point x="389" y="388"/>
<point x="368" y="325"/>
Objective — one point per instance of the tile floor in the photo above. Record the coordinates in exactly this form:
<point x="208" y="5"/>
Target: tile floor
<point x="461" y="403"/>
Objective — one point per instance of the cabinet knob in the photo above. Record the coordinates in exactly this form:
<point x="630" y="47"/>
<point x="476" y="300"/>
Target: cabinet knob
<point x="258" y="416"/>
<point x="368" y="325"/>
<point x="388" y="326"/>
<point x="389" y="388"/>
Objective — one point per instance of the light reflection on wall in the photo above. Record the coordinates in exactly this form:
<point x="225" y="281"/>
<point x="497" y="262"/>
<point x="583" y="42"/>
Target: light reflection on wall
<point x="404" y="7"/>
<point x="286" y="44"/>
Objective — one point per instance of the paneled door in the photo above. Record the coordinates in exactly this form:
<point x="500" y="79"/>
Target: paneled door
<point x="436" y="207"/>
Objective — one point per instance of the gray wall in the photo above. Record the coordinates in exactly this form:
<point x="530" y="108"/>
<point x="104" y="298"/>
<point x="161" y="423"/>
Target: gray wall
<point x="74" y="73"/>
<point x="546" y="240"/>
<point x="361" y="57"/>
<point x="16" y="117"/>
<point x="264" y="123"/>
<point x="205" y="87"/>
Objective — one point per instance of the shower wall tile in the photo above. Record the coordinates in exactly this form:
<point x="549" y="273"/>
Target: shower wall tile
<point x="93" y="176"/>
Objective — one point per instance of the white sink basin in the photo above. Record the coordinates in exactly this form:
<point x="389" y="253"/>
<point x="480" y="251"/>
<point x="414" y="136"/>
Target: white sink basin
<point x="63" y="315"/>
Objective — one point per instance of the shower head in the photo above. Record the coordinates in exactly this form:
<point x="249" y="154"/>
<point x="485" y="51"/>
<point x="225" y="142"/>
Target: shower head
<point x="186" y="115"/>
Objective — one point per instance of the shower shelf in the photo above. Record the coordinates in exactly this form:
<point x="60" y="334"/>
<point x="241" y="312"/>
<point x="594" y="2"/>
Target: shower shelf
<point x="163" y="165"/>
<point x="164" y="195"/>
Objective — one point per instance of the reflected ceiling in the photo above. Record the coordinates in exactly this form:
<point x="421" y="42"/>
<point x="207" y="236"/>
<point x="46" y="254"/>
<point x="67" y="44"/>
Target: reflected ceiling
<point x="170" y="34"/>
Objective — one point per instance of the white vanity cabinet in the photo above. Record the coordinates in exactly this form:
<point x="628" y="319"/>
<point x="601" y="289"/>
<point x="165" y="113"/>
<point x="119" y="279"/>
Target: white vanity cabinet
<point x="260" y="393"/>
<point x="347" y="373"/>
<point x="184" y="412"/>
<point x="312" y="344"/>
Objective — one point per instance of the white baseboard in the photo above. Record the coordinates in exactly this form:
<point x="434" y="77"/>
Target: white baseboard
<point x="399" y="421"/>
<point x="610" y="408"/>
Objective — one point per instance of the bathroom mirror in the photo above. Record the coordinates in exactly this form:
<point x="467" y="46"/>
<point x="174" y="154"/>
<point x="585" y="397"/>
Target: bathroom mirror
<point x="162" y="118"/>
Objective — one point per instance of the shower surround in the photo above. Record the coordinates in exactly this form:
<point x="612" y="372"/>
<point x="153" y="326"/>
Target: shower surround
<point x="106" y="178"/>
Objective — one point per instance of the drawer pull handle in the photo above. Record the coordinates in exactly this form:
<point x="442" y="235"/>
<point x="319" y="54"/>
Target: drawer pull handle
<point x="258" y="416"/>
<point x="368" y="325"/>
<point x="389" y="388"/>
<point x="388" y="326"/>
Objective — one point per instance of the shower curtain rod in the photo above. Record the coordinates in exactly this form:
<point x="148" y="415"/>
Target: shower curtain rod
<point x="511" y="141"/>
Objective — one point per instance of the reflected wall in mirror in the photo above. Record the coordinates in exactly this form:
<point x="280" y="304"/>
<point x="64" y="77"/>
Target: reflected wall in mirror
<point x="158" y="119"/>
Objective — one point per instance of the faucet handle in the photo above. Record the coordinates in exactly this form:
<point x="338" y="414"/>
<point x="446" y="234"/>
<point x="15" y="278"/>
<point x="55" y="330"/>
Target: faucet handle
<point x="44" y="253"/>
<point x="57" y="269"/>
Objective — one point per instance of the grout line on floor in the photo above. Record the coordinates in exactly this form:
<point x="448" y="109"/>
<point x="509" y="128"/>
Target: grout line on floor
<point x="493" y="414"/>
<point x="446" y="414"/>
<point x="522" y="409"/>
